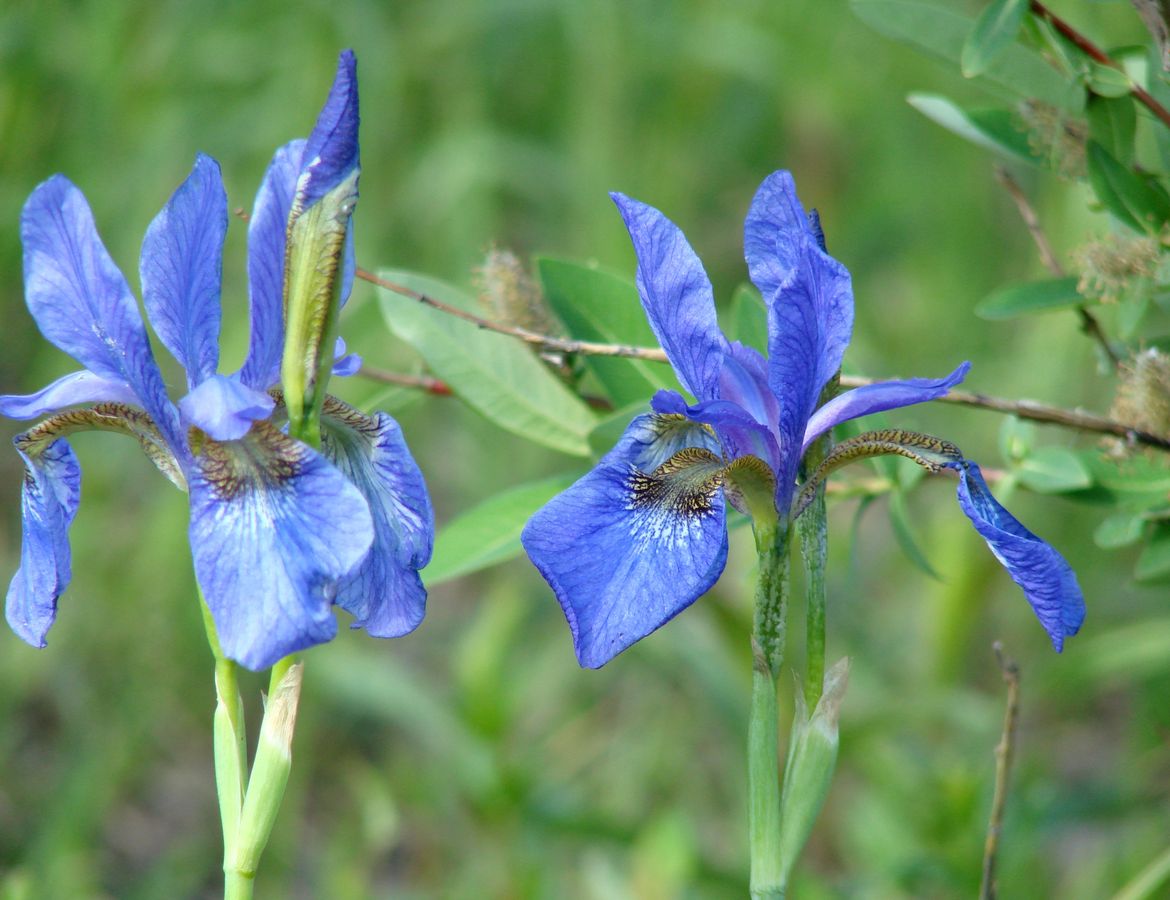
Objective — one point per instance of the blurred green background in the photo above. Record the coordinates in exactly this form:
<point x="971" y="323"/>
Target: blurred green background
<point x="474" y="758"/>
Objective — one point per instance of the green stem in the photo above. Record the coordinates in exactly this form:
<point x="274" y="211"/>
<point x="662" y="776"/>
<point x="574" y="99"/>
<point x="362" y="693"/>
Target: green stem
<point x="814" y="542"/>
<point x="237" y="886"/>
<point x="229" y="744"/>
<point x="763" y="726"/>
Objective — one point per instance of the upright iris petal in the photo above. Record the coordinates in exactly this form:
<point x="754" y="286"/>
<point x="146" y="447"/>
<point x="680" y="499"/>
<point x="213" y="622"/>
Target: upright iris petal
<point x="642" y="536"/>
<point x="81" y="301"/>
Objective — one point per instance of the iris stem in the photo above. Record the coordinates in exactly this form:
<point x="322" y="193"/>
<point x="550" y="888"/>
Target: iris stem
<point x="813" y="528"/>
<point x="814" y="545"/>
<point x="230" y="753"/>
<point x="768" y="634"/>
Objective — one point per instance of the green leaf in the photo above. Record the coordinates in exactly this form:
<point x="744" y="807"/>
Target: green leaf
<point x="596" y="305"/>
<point x="1140" y="203"/>
<point x="1017" y="437"/>
<point x="1113" y="124"/>
<point x="1054" y="470"/>
<point x="940" y="31"/>
<point x="1030" y="297"/>
<point x="904" y="534"/>
<point x="995" y="30"/>
<point x="495" y="375"/>
<point x="1107" y="81"/>
<point x="749" y="318"/>
<point x="1154" y="562"/>
<point x="1120" y="530"/>
<point x="489" y="533"/>
<point x="992" y="129"/>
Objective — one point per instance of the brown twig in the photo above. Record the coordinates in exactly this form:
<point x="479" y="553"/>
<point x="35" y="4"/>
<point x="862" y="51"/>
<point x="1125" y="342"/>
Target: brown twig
<point x="1099" y="55"/>
<point x="417" y="382"/>
<point x="544" y="341"/>
<point x="1024" y="409"/>
<point x="1003" y="764"/>
<point x="1039" y="412"/>
<point x="1089" y="323"/>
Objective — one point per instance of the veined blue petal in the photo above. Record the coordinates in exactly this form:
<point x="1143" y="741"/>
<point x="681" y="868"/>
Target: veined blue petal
<point x="810" y="318"/>
<point x="69" y="390"/>
<point x="635" y="541"/>
<point x="739" y="432"/>
<point x="182" y="269"/>
<point x="1048" y="581"/>
<point x="385" y="593"/>
<point x="677" y="297"/>
<point x="81" y="301"/>
<point x="873" y="398"/>
<point x="774" y="232"/>
<point x="52" y="489"/>
<point x="224" y="407"/>
<point x="274" y="528"/>
<point x="331" y="153"/>
<point x="267" y="232"/>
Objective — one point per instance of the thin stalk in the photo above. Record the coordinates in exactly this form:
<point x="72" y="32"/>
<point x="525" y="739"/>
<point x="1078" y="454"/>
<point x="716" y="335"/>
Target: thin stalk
<point x="1003" y="766"/>
<point x="764" y="784"/>
<point x="768" y="634"/>
<point x="814" y="533"/>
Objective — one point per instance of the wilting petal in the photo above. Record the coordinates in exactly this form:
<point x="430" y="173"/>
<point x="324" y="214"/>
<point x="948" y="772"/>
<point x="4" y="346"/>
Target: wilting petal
<point x="331" y="153"/>
<point x="274" y="527"/>
<point x="81" y="301"/>
<point x="267" y="233"/>
<point x="810" y="318"/>
<point x="1048" y="581"/>
<point x="874" y="398"/>
<point x="69" y="390"/>
<point x="677" y="297"/>
<point x="774" y="233"/>
<point x="182" y="268"/>
<point x="635" y="541"/>
<point x="385" y="593"/>
<point x="224" y="407"/>
<point x="52" y="489"/>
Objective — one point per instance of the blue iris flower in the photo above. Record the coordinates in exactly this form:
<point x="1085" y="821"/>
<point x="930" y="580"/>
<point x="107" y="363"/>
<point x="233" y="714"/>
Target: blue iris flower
<point x="279" y="531"/>
<point x="644" y="535"/>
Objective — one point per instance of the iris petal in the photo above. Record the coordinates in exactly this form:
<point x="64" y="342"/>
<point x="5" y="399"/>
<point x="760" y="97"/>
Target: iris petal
<point x="182" y="268"/>
<point x="69" y="390"/>
<point x="331" y="153"/>
<point x="385" y="593"/>
<point x="52" y="489"/>
<point x="810" y="318"/>
<point x="774" y="233"/>
<point x="630" y="545"/>
<point x="81" y="301"/>
<point x="224" y="407"/>
<point x="874" y="398"/>
<point x="267" y="232"/>
<point x="677" y="297"/>
<point x="1049" y="583"/>
<point x="274" y="527"/>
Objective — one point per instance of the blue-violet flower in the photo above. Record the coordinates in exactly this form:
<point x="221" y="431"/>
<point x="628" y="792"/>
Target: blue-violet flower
<point x="279" y="531"/>
<point x="643" y="535"/>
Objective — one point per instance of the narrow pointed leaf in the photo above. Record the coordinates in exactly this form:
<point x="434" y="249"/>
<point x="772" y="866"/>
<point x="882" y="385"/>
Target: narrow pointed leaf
<point x="489" y="533"/>
<point x="1030" y="297"/>
<point x="1140" y="203"/>
<point x="995" y="30"/>
<point x="494" y="374"/>
<point x="597" y="305"/>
